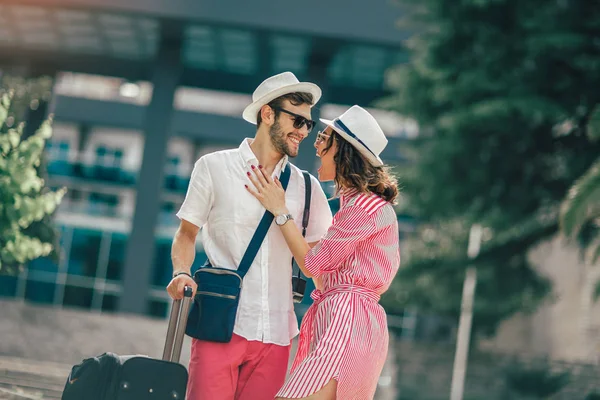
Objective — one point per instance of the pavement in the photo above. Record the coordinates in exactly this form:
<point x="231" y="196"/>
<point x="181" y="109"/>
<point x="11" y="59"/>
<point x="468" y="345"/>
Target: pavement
<point x="40" y="343"/>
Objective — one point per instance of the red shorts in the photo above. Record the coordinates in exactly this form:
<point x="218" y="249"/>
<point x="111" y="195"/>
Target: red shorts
<point x="239" y="370"/>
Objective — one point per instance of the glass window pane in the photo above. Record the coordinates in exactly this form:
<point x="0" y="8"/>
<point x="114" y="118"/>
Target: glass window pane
<point x="40" y="292"/>
<point x="199" y="261"/>
<point x="78" y="296"/>
<point x="43" y="264"/>
<point x="84" y="252"/>
<point x="110" y="302"/>
<point x="116" y="258"/>
<point x="157" y="308"/>
<point x="8" y="285"/>
<point x="163" y="269"/>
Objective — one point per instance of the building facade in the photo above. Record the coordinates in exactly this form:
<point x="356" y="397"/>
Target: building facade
<point x="141" y="91"/>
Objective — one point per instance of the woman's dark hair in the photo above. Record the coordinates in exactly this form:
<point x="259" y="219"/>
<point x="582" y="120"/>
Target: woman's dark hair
<point x="355" y="171"/>
<point x="296" y="98"/>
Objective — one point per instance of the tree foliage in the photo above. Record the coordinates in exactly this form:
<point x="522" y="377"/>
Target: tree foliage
<point x="503" y="91"/>
<point x="580" y="211"/>
<point x="25" y="202"/>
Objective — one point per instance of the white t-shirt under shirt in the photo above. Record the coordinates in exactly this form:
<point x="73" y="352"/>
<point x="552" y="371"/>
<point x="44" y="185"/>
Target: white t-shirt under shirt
<point x="218" y="202"/>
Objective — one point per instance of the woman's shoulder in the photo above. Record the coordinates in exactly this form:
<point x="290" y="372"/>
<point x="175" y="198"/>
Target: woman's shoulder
<point x="371" y="203"/>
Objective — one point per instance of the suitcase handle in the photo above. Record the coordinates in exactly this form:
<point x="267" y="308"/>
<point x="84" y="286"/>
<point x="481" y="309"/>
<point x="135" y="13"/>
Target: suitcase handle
<point x="176" y="329"/>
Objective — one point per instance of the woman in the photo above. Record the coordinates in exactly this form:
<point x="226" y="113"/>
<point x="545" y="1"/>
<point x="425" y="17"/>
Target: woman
<point x="343" y="338"/>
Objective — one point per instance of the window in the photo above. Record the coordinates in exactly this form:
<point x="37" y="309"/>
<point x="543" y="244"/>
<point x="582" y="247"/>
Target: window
<point x="58" y="158"/>
<point x="110" y="302"/>
<point x="167" y="215"/>
<point x="40" y="292"/>
<point x="158" y="304"/>
<point x="163" y="269"/>
<point x="85" y="249"/>
<point x="63" y="147"/>
<point x="116" y="257"/>
<point x="78" y="296"/>
<point x="102" y="204"/>
<point x="101" y="155"/>
<point x="173" y="180"/>
<point x="199" y="261"/>
<point x="108" y="163"/>
<point x="41" y="280"/>
<point x="157" y="308"/>
<point x="118" y="158"/>
<point x="87" y="277"/>
<point x="8" y="285"/>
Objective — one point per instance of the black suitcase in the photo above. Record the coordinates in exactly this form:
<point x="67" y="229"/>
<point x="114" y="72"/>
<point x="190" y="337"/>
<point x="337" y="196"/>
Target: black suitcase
<point x="113" y="377"/>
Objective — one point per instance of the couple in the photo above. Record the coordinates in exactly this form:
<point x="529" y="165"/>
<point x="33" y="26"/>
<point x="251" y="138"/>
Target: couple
<point x="352" y="258"/>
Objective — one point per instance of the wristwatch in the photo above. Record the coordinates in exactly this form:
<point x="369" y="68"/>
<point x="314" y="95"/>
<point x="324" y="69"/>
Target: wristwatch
<point x="283" y="218"/>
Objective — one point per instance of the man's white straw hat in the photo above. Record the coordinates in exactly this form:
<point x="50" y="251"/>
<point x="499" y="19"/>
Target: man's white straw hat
<point x="276" y="86"/>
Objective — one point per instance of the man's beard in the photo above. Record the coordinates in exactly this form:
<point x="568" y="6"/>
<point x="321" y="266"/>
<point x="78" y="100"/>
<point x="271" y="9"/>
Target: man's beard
<point x="279" y="142"/>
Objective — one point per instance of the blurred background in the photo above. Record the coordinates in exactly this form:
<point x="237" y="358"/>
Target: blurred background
<point x="492" y="112"/>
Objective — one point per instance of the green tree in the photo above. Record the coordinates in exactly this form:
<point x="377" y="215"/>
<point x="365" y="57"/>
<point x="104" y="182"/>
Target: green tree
<point x="497" y="87"/>
<point x="27" y="95"/>
<point x="535" y="381"/>
<point x="25" y="202"/>
<point x="580" y="211"/>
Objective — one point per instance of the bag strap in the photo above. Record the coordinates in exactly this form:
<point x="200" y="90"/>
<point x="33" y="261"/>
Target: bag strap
<point x="307" y="194"/>
<point x="306" y="213"/>
<point x="261" y="231"/>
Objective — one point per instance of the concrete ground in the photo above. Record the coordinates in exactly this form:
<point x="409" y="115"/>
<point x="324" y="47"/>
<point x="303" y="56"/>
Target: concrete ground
<point x="39" y="344"/>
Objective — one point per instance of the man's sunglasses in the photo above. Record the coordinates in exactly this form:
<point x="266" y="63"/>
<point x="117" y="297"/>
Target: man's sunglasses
<point x="299" y="120"/>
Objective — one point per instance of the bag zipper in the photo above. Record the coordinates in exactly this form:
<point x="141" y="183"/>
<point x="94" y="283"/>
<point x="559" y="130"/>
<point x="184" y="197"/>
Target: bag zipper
<point x="226" y="296"/>
<point x="221" y="272"/>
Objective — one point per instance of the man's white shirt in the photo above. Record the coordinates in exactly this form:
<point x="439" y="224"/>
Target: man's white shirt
<point x="219" y="204"/>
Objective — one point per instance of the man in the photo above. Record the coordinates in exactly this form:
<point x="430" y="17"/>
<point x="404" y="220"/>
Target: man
<point x="253" y="365"/>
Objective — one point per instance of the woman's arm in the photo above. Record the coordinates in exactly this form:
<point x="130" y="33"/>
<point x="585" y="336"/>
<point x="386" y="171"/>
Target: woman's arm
<point x="272" y="196"/>
<point x="352" y="225"/>
<point x="295" y="241"/>
<point x="317" y="280"/>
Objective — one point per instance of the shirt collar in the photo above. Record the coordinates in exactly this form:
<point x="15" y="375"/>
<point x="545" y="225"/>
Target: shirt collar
<point x="249" y="158"/>
<point x="346" y="195"/>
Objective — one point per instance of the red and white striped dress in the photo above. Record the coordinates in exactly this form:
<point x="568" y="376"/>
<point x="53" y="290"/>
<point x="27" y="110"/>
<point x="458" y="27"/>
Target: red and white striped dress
<point x="344" y="333"/>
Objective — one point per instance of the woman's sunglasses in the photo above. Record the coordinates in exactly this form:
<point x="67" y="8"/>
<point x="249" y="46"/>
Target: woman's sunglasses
<point x="321" y="137"/>
<point x="299" y="120"/>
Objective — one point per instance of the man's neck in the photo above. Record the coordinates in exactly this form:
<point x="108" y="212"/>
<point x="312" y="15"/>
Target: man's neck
<point x="266" y="155"/>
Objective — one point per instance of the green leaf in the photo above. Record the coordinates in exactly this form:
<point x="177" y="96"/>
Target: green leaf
<point x="13" y="138"/>
<point x="45" y="130"/>
<point x="593" y="252"/>
<point x="597" y="291"/>
<point x="26" y="231"/>
<point x="583" y="201"/>
<point x="593" y="129"/>
<point x="489" y="98"/>
<point x="4" y="106"/>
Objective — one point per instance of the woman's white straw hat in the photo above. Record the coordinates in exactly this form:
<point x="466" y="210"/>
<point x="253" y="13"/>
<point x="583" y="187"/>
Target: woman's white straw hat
<point x="362" y="131"/>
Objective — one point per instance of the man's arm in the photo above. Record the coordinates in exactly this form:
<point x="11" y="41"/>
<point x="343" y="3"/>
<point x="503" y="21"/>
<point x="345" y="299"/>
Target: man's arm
<point x="183" y="252"/>
<point x="193" y="214"/>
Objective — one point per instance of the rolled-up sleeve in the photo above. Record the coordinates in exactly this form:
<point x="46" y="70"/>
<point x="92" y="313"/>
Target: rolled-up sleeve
<point x="351" y="226"/>
<point x="199" y="197"/>
<point x="320" y="213"/>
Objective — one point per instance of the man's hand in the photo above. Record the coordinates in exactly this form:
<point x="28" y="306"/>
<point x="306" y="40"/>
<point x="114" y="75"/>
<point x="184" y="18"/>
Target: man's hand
<point x="177" y="284"/>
